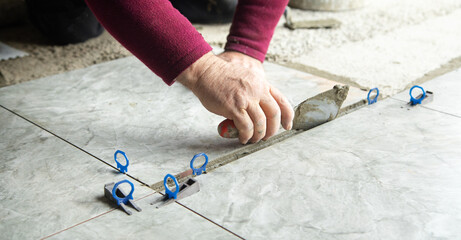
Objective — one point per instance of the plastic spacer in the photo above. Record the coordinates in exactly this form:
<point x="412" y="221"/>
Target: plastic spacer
<point x="415" y="101"/>
<point x="371" y="101"/>
<point x="198" y="171"/>
<point x="125" y="199"/>
<point x="167" y="190"/>
<point x="122" y="168"/>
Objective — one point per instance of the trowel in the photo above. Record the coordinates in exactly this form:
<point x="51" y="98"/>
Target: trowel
<point x="310" y="113"/>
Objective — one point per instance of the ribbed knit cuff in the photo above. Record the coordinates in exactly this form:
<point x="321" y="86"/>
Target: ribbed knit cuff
<point x="233" y="46"/>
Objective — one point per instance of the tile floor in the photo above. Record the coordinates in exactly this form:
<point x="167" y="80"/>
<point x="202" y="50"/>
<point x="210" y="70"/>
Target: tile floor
<point x="40" y="172"/>
<point x="384" y="171"/>
<point x="123" y="105"/>
<point x="380" y="172"/>
<point x="48" y="186"/>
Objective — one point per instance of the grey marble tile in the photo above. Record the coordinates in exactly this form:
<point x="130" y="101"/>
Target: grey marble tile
<point x="169" y="222"/>
<point x="446" y="90"/>
<point x="382" y="172"/>
<point x="122" y="105"/>
<point x="46" y="184"/>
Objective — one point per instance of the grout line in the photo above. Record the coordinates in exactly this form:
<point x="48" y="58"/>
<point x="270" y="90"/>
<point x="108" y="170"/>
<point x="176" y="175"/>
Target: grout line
<point x="102" y="214"/>
<point x="321" y="73"/>
<point x="203" y="216"/>
<point x="352" y="108"/>
<point x="80" y="223"/>
<point x="431" y="109"/>
<point x="448" y="67"/>
<point x="230" y="157"/>
<point x="79" y="148"/>
<point x="193" y="211"/>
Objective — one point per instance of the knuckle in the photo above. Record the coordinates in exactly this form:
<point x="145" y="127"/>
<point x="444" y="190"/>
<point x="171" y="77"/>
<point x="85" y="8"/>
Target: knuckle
<point x="276" y="113"/>
<point x="244" y="84"/>
<point x="240" y="100"/>
<point x="260" y="118"/>
<point x="246" y="128"/>
<point x="261" y="123"/>
<point x="281" y="100"/>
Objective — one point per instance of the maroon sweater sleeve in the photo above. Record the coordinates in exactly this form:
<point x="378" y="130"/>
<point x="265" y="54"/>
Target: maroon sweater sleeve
<point x="154" y="31"/>
<point x="253" y="26"/>
<point x="163" y="39"/>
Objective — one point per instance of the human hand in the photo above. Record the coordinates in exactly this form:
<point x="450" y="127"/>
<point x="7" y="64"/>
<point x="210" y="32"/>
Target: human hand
<point x="237" y="90"/>
<point x="245" y="61"/>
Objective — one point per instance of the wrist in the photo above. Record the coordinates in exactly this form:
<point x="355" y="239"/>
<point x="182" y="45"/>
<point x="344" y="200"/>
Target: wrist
<point x="243" y="60"/>
<point x="189" y="77"/>
<point x="239" y="56"/>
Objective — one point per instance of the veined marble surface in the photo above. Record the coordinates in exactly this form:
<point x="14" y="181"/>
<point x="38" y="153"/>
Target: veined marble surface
<point x="446" y="89"/>
<point x="382" y="172"/>
<point x="46" y="185"/>
<point x="123" y="105"/>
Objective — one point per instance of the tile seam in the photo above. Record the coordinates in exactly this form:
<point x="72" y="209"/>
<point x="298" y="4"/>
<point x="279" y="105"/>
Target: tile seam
<point x="92" y="218"/>
<point x="208" y="219"/>
<point x="73" y="145"/>
<point x="431" y="109"/>
<point x="449" y="66"/>
<point x="80" y="223"/>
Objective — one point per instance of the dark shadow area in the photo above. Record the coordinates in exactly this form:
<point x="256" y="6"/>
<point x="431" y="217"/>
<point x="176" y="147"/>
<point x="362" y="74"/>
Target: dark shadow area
<point x="23" y="33"/>
<point x="103" y="199"/>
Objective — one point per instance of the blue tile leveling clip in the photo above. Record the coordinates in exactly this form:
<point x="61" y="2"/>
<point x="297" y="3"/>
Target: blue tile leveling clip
<point x="168" y="192"/>
<point x="198" y="171"/>
<point x="118" y="196"/>
<point x="181" y="191"/>
<point x="418" y="100"/>
<point x="122" y="168"/>
<point x="425" y="95"/>
<point x="371" y="101"/>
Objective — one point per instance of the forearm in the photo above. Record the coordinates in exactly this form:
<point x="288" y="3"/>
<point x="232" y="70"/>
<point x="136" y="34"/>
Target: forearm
<point x="253" y="26"/>
<point x="154" y="31"/>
